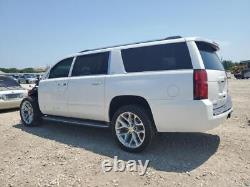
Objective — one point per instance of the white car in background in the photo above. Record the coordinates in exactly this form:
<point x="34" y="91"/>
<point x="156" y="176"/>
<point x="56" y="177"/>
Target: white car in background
<point x="11" y="93"/>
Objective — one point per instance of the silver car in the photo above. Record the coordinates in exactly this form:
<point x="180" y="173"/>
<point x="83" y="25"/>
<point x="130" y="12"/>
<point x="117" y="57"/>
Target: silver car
<point x="11" y="93"/>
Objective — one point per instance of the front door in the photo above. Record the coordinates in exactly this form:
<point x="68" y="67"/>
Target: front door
<point x="52" y="92"/>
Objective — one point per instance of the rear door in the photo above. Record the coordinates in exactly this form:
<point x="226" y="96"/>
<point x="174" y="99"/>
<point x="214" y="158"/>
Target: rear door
<point x="86" y="86"/>
<point x="217" y="78"/>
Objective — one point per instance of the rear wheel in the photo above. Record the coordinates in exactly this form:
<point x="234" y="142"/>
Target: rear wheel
<point x="132" y="128"/>
<point x="30" y="112"/>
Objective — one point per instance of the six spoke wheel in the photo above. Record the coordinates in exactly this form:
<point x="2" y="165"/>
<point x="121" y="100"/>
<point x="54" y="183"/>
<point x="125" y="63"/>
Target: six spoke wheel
<point x="132" y="128"/>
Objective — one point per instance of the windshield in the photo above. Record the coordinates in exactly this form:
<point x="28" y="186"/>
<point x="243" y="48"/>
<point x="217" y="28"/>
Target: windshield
<point x="209" y="56"/>
<point x="8" y="82"/>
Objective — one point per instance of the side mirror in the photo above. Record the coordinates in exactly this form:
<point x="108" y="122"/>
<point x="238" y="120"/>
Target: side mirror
<point x="37" y="82"/>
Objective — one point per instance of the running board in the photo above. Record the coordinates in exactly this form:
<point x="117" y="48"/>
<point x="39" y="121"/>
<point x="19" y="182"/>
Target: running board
<point x="83" y="122"/>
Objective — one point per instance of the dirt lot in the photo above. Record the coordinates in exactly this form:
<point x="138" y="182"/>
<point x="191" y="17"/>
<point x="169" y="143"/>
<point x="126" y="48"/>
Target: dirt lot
<point x="61" y="154"/>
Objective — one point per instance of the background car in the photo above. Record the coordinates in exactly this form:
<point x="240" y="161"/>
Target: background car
<point x="13" y="77"/>
<point x="21" y="79"/>
<point x="246" y="74"/>
<point x="11" y="93"/>
<point x="30" y="79"/>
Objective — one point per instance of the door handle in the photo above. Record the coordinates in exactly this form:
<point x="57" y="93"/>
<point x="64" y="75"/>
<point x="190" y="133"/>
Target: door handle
<point x="96" y="83"/>
<point x="63" y="84"/>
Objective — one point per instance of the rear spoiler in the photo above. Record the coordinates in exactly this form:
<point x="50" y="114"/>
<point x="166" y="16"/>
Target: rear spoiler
<point x="215" y="46"/>
<point x="210" y="42"/>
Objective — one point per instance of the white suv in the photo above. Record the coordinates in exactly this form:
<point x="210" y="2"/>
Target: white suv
<point x="171" y="85"/>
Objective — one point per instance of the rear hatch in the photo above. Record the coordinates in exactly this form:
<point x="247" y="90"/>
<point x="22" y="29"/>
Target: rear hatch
<point x="216" y="77"/>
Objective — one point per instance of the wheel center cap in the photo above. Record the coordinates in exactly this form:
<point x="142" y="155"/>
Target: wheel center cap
<point x="130" y="129"/>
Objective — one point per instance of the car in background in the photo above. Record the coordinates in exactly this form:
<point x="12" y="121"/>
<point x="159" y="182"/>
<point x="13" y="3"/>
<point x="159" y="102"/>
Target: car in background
<point x="11" y="93"/>
<point x="13" y="77"/>
<point x="21" y="79"/>
<point x="246" y="74"/>
<point x="30" y="79"/>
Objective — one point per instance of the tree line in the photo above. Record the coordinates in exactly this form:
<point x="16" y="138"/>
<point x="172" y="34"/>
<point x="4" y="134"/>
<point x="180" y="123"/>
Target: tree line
<point x="24" y="70"/>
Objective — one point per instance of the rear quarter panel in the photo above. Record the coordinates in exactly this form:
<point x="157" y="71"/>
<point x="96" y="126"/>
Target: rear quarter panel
<point x="170" y="85"/>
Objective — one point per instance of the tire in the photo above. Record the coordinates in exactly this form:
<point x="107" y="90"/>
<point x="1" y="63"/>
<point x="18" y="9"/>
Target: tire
<point x="30" y="113"/>
<point x="140" y="128"/>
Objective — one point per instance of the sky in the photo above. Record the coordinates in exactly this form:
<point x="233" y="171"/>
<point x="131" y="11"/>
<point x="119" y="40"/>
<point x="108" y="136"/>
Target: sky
<point x="38" y="33"/>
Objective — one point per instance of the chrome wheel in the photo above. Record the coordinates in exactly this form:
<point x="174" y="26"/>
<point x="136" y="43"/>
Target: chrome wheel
<point x="27" y="112"/>
<point x="130" y="130"/>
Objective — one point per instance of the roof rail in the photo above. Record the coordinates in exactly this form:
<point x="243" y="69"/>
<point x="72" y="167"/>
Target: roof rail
<point x="173" y="37"/>
<point x="168" y="38"/>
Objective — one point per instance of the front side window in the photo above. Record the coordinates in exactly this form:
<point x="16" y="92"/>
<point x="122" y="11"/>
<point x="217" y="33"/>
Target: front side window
<point x="156" y="58"/>
<point x="92" y="64"/>
<point x="209" y="56"/>
<point x="61" y="69"/>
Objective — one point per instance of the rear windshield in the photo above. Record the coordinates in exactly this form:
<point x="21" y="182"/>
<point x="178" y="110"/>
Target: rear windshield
<point x="8" y="82"/>
<point x="209" y="56"/>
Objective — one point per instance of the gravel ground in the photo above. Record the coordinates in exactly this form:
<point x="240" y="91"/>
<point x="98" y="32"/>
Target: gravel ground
<point x="64" y="155"/>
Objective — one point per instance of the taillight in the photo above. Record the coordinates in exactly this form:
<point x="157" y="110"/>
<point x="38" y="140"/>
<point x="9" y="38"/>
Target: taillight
<point x="200" y="84"/>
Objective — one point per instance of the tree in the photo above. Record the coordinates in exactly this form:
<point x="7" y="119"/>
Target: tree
<point x="15" y="70"/>
<point x="228" y="65"/>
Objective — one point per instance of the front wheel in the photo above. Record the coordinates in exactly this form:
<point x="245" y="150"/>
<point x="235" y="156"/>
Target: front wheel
<point x="132" y="128"/>
<point x="30" y="112"/>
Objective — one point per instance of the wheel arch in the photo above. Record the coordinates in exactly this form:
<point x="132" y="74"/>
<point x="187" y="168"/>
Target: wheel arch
<point x="123" y="100"/>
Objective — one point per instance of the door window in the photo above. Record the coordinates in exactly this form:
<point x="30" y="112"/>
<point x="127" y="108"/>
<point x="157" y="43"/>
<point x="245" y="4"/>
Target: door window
<point x="61" y="69"/>
<point x="92" y="64"/>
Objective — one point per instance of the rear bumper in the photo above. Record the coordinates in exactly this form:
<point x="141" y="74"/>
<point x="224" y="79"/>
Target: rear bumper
<point x="187" y="116"/>
<point x="10" y="104"/>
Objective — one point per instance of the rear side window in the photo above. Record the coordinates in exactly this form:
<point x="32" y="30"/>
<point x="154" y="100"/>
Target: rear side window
<point x="61" y="69"/>
<point x="209" y="56"/>
<point x="156" y="58"/>
<point x="92" y="64"/>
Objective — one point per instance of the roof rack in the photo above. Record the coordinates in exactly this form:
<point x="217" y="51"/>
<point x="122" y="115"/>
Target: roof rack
<point x="168" y="38"/>
<point x="173" y="37"/>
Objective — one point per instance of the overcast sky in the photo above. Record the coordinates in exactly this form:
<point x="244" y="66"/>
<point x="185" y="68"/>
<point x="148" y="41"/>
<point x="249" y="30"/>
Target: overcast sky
<point x="36" y="33"/>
